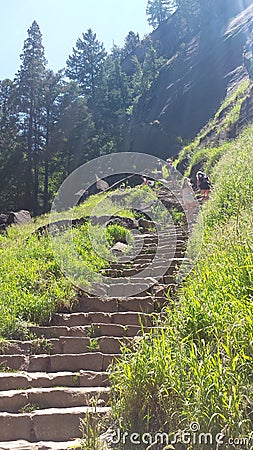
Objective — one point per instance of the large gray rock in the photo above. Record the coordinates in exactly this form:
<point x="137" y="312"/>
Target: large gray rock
<point x="192" y="85"/>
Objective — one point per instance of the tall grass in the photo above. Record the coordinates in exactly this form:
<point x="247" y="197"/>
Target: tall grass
<point x="32" y="284"/>
<point x="199" y="367"/>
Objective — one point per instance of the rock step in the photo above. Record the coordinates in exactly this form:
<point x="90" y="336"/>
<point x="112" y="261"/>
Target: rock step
<point x="47" y="424"/>
<point x="170" y="253"/>
<point x="83" y="319"/>
<point x="25" y="380"/>
<point x="66" y="345"/>
<point x="166" y="243"/>
<point x="23" y="401"/>
<point x="124" y="287"/>
<point x="156" y="271"/>
<point x="139" y="304"/>
<point x="147" y="259"/>
<point x="96" y="361"/>
<point x="94" y="330"/>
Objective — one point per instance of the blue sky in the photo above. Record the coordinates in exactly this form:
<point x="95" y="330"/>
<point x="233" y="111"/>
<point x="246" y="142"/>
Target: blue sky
<point x="61" y="23"/>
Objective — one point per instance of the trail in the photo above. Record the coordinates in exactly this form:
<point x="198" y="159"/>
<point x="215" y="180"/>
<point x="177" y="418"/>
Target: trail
<point x="45" y="392"/>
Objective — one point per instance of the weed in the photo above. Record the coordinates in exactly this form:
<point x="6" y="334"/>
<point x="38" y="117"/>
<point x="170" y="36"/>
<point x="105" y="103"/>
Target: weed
<point x="30" y="407"/>
<point x="4" y="346"/>
<point x="93" y="345"/>
<point x="5" y="368"/>
<point x="76" y="379"/>
<point x="92" y="427"/>
<point x="93" y="331"/>
<point x="39" y="346"/>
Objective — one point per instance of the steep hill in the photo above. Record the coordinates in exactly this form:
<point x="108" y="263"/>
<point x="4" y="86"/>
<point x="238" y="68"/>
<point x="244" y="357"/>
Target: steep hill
<point x="193" y="83"/>
<point x="197" y="370"/>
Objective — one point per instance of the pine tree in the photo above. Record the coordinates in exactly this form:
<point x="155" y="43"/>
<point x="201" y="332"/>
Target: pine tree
<point x="11" y="157"/>
<point x="158" y="11"/>
<point x="151" y="64"/>
<point x="29" y="82"/>
<point x="131" y="42"/>
<point x="85" y="64"/>
<point x="52" y="93"/>
<point x="190" y="10"/>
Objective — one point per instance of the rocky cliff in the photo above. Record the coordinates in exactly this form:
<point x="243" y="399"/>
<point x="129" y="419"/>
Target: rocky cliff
<point x="194" y="81"/>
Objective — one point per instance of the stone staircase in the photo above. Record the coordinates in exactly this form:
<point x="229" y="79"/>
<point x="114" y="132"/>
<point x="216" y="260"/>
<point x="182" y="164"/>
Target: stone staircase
<point x="49" y="383"/>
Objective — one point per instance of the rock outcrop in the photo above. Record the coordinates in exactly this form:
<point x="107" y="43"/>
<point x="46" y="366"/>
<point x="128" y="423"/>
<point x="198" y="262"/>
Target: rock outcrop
<point x="193" y="83"/>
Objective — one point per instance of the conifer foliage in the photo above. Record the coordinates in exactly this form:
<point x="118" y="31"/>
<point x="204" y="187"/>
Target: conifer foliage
<point x="51" y="123"/>
<point x="158" y="11"/>
<point x="85" y="64"/>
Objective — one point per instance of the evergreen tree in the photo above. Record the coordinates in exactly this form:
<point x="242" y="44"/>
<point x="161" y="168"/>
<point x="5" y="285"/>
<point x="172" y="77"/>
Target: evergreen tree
<point x="52" y="95"/>
<point x="151" y="65"/>
<point x="11" y="157"/>
<point x="158" y="11"/>
<point x="85" y="64"/>
<point x="136" y="78"/>
<point x="71" y="135"/>
<point x="29" y="82"/>
<point x="131" y="42"/>
<point x="190" y="12"/>
<point x="114" y="98"/>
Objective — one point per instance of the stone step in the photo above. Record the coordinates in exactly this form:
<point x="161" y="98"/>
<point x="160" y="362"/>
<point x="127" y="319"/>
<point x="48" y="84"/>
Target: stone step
<point x="154" y="271"/>
<point x="108" y="344"/>
<point x="83" y="319"/>
<point x="47" y="424"/>
<point x="120" y="288"/>
<point x="94" y="330"/>
<point x="139" y="304"/>
<point x="66" y="345"/>
<point x="166" y="279"/>
<point x="21" y="401"/>
<point x="24" y="380"/>
<point x="95" y="361"/>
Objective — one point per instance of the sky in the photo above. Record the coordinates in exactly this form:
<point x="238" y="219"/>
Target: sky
<point x="61" y="23"/>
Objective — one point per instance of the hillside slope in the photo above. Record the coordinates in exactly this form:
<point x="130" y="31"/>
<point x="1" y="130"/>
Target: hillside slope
<point x="198" y="369"/>
<point x="191" y="86"/>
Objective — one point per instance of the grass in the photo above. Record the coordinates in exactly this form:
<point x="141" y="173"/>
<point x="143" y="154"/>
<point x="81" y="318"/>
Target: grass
<point x="94" y="345"/>
<point x="225" y="118"/>
<point x="199" y="368"/>
<point x="32" y="284"/>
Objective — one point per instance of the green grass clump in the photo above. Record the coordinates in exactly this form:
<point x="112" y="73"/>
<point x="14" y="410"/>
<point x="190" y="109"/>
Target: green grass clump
<point x="32" y="284"/>
<point x="199" y="367"/>
<point x="232" y="178"/>
<point x="207" y="156"/>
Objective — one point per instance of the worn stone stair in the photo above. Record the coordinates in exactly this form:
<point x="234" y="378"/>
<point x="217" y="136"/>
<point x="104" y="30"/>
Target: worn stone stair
<point x="49" y="383"/>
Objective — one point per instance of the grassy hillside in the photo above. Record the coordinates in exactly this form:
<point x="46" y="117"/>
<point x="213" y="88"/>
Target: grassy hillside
<point x="32" y="284"/>
<point x="200" y="368"/>
<point x="203" y="148"/>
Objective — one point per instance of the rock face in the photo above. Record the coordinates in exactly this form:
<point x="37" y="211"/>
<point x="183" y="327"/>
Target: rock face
<point x="194" y="82"/>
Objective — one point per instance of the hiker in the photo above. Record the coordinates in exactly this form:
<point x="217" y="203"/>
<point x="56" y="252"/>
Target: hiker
<point x="172" y="173"/>
<point x="3" y="223"/>
<point x="203" y="184"/>
<point x="188" y="197"/>
<point x="144" y="180"/>
<point x="147" y="182"/>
